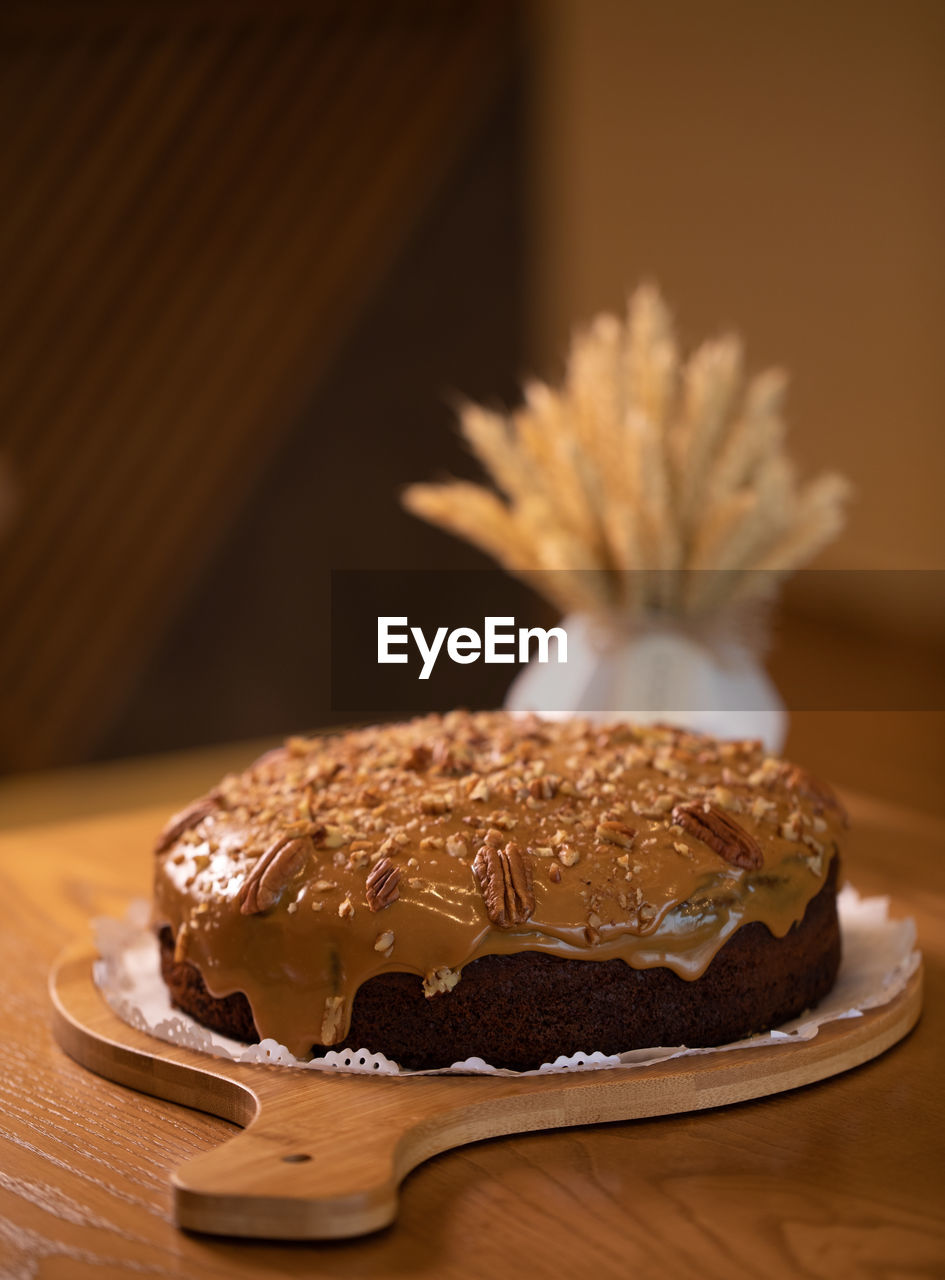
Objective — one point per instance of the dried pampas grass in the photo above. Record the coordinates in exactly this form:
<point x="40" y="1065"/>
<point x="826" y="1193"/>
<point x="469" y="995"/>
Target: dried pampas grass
<point x="641" y="462"/>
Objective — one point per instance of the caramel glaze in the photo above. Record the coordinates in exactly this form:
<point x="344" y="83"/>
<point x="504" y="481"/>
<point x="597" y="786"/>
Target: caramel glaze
<point x="426" y="796"/>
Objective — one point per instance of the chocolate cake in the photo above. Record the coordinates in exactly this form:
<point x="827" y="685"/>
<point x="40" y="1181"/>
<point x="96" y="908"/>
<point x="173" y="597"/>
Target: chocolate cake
<point x="485" y="885"/>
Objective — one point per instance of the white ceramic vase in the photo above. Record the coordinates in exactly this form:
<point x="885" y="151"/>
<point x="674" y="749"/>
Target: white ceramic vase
<point x="657" y="673"/>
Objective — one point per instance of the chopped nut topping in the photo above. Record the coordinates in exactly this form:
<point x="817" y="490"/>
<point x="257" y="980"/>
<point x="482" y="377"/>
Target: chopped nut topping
<point x="333" y="838"/>
<point x="791" y="830"/>
<point x="568" y="856"/>
<point x="617" y="833"/>
<point x="654" y="807"/>
<point x="450" y="757"/>
<point x="436" y="802"/>
<point x="544" y="787"/>
<point x="810" y="788"/>
<point x="396" y="840"/>
<point x="456" y="846"/>
<point x="417" y="759"/>
<point x="331" y="1019"/>
<point x="439" y="981"/>
<point x="766" y="773"/>
<point x="664" y="762"/>
<point x="723" y="797"/>
<point x="384" y="942"/>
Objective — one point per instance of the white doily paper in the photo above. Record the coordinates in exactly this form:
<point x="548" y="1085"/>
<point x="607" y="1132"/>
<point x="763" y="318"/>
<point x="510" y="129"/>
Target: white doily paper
<point x="879" y="957"/>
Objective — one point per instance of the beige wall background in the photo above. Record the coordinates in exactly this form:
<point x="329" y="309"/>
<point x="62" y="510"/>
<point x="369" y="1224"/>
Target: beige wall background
<point x="777" y="168"/>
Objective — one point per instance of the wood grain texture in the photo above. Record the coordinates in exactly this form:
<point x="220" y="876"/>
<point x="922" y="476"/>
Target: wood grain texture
<point x="322" y="1157"/>
<point x="200" y="202"/>
<point x="841" y="1178"/>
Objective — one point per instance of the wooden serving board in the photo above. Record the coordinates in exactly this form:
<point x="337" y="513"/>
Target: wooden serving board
<point x="322" y="1155"/>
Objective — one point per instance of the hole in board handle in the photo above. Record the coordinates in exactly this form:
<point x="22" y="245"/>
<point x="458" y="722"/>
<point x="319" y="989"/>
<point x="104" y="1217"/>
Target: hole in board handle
<point x="297" y="1158"/>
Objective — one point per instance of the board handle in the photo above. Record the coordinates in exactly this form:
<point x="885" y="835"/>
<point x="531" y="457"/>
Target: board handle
<point x="275" y="1180"/>
<point x="325" y="1161"/>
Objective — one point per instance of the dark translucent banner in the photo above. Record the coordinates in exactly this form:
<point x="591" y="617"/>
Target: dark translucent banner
<point x="411" y="641"/>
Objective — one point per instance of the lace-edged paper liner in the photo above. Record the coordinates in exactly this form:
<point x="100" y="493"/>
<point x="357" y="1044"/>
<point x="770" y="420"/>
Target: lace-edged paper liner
<point x="879" y="957"/>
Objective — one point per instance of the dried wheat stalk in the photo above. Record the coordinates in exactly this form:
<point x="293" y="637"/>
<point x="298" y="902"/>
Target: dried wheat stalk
<point x="641" y="462"/>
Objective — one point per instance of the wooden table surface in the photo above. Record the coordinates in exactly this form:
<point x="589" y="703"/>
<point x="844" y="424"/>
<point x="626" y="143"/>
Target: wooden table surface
<point x="843" y="1178"/>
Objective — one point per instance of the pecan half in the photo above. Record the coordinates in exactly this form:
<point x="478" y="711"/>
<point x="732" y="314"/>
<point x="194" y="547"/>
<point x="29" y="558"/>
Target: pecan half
<point x="383" y="885"/>
<point x="186" y="819"/>
<point x="714" y="827"/>
<point x="505" y="882"/>
<point x="285" y="858"/>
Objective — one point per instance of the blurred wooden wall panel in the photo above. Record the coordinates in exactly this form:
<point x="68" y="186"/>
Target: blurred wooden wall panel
<point x="200" y="200"/>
